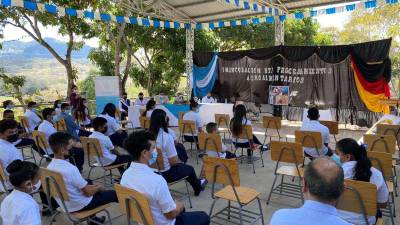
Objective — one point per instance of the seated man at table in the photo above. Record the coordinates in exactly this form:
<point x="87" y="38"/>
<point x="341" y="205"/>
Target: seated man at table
<point x="208" y="99"/>
<point x="140" y="177"/>
<point x="316" y="126"/>
<point x="323" y="185"/>
<point x="33" y="118"/>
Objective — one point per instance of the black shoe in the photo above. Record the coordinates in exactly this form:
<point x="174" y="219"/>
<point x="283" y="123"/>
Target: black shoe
<point x="46" y="212"/>
<point x="100" y="219"/>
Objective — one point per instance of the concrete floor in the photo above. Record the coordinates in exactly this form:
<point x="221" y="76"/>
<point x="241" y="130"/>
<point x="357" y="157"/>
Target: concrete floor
<point x="261" y="181"/>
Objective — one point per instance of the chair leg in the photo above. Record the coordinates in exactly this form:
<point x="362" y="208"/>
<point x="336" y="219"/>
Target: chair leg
<point x="109" y="216"/>
<point x="272" y="188"/>
<point x="252" y="162"/>
<point x="262" y="160"/>
<point x="40" y="162"/>
<point x="393" y="205"/>
<point x="33" y="155"/>
<point x="90" y="171"/>
<point x="261" y="213"/>
<point x="53" y="217"/>
<point x="281" y="188"/>
<point x="240" y="214"/>
<point x="188" y="193"/>
<point x="212" y="207"/>
<point x="229" y="210"/>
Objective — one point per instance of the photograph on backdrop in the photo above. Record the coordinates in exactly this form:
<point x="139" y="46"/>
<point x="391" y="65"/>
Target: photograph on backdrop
<point x="278" y="95"/>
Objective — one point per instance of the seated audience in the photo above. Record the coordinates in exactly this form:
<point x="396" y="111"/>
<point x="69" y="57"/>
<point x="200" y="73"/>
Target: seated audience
<point x="110" y="155"/>
<point x="114" y="130"/>
<point x="315" y="125"/>
<point x="57" y="107"/>
<point x="323" y="185"/>
<point x="150" y="106"/>
<point x="31" y="114"/>
<point x="140" y="177"/>
<point x="8" y="104"/>
<point x="357" y="166"/>
<point x="81" y="113"/>
<point x="124" y="104"/>
<point x="193" y="115"/>
<point x="72" y="128"/>
<point x="140" y="101"/>
<point x="19" y="207"/>
<point x="82" y="194"/>
<point x="8" y="114"/>
<point x="212" y="128"/>
<point x="208" y="99"/>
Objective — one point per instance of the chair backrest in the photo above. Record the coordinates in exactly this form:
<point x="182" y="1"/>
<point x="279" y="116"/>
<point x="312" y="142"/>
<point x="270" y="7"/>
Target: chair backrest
<point x="247" y="133"/>
<point x="53" y="184"/>
<point x="358" y="197"/>
<point x="310" y="139"/>
<point x="24" y="122"/>
<point x="222" y="120"/>
<point x="221" y="171"/>
<point x="383" y="162"/>
<point x="144" y="122"/>
<point x="135" y="205"/>
<point x="61" y="125"/>
<point x="159" y="164"/>
<point x="187" y="126"/>
<point x="210" y="142"/>
<point x="40" y="140"/>
<point x="141" y="111"/>
<point x="287" y="152"/>
<point x="389" y="129"/>
<point x="333" y="126"/>
<point x="3" y="177"/>
<point x="180" y="115"/>
<point x="92" y="146"/>
<point x="272" y="122"/>
<point x="380" y="143"/>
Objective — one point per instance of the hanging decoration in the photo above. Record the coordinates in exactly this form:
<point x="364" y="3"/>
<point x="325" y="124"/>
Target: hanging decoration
<point x="204" y="77"/>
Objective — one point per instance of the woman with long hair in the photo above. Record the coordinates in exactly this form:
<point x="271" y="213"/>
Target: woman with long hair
<point x="57" y="106"/>
<point x="81" y="113"/>
<point x="150" y="106"/>
<point x="357" y="166"/>
<point x="114" y="130"/>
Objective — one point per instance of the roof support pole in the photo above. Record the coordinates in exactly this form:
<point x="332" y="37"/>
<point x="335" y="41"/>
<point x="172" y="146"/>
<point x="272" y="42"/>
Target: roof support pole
<point x="189" y="60"/>
<point x="279" y="32"/>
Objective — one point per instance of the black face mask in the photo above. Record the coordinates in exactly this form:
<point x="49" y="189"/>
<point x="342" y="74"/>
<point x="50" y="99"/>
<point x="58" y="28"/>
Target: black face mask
<point x="105" y="130"/>
<point x="141" y="98"/>
<point x="13" y="138"/>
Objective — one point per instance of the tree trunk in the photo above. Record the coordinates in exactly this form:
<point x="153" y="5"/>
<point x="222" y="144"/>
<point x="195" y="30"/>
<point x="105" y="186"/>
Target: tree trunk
<point x="70" y="77"/>
<point x="118" y="58"/>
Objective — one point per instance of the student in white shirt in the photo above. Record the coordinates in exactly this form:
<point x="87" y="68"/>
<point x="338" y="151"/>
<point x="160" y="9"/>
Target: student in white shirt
<point x="33" y="119"/>
<point x="114" y="131"/>
<point x="212" y="128"/>
<point x="140" y="177"/>
<point x="174" y="169"/>
<point x="150" y="106"/>
<point x="357" y="166"/>
<point x="141" y="101"/>
<point x="315" y="125"/>
<point x="82" y="194"/>
<point x="208" y="99"/>
<point x="193" y="115"/>
<point x="19" y="208"/>
<point x="110" y="155"/>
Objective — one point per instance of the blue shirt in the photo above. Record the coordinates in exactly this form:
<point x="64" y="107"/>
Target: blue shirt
<point x="311" y="213"/>
<point x="72" y="127"/>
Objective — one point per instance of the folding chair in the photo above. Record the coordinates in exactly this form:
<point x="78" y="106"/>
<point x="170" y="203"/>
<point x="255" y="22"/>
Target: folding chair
<point x="24" y="122"/>
<point x="226" y="173"/>
<point x="54" y="186"/>
<point x="135" y="205"/>
<point x="222" y="121"/>
<point x="382" y="161"/>
<point x="189" y="127"/>
<point x="333" y="127"/>
<point x="247" y="133"/>
<point x="292" y="153"/>
<point x="388" y="129"/>
<point x="144" y="122"/>
<point x="60" y="125"/>
<point x="210" y="142"/>
<point x="309" y="139"/>
<point x="273" y="123"/>
<point x="42" y="145"/>
<point x="180" y="115"/>
<point x="93" y="149"/>
<point x="3" y="180"/>
<point x="159" y="166"/>
<point x="359" y="197"/>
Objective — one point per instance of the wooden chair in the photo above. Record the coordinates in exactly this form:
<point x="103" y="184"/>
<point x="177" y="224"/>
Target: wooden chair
<point x="54" y="186"/>
<point x="3" y="180"/>
<point x="210" y="142"/>
<point x="42" y="145"/>
<point x="24" y="122"/>
<point x="333" y="127"/>
<point x="144" y="122"/>
<point x="247" y="133"/>
<point x="60" y="125"/>
<point x="226" y="172"/>
<point x="273" y="123"/>
<point x="93" y="149"/>
<point x="159" y="166"/>
<point x="189" y="127"/>
<point x="388" y="129"/>
<point x="383" y="162"/>
<point x="180" y="115"/>
<point x="222" y="121"/>
<point x="292" y="153"/>
<point x="380" y="143"/>
<point x="309" y="139"/>
<point x="135" y="205"/>
<point x="359" y="197"/>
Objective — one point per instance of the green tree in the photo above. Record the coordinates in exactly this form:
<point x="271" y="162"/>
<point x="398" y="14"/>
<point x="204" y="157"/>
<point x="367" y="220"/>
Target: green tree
<point x="13" y="85"/>
<point x="88" y="84"/>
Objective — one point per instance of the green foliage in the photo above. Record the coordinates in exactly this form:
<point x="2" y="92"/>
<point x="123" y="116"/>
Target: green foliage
<point x="88" y="85"/>
<point x="13" y="84"/>
<point x="104" y="60"/>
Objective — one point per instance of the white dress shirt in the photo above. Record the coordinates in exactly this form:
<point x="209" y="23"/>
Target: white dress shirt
<point x="222" y="154"/>
<point x="141" y="102"/>
<point x="48" y="129"/>
<point x="8" y="153"/>
<point x="112" y="124"/>
<point x="382" y="192"/>
<point x="207" y="99"/>
<point x="106" y="146"/>
<point x="193" y="116"/>
<point x="141" y="178"/>
<point x="74" y="183"/>
<point x="239" y="140"/>
<point x="33" y="119"/>
<point x="166" y="142"/>
<point x="148" y="113"/>
<point x="316" y="126"/>
<point x="57" y="111"/>
<point x="19" y="208"/>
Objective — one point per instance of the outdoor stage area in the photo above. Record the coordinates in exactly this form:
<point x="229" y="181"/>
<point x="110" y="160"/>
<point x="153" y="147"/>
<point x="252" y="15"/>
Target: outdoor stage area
<point x="261" y="180"/>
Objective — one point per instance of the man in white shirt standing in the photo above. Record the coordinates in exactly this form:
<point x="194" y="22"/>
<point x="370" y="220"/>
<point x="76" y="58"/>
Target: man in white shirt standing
<point x="208" y="99"/>
<point x="82" y="194"/>
<point x="141" y="178"/>
<point x="316" y="126"/>
<point x="141" y="101"/>
<point x="33" y="119"/>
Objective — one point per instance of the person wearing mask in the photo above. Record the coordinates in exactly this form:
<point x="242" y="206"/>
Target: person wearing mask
<point x="8" y="104"/>
<point x="72" y="128"/>
<point x="150" y="106"/>
<point x="179" y="98"/>
<point x="141" y="101"/>
<point x="114" y="130"/>
<point x="57" y="107"/>
<point x="124" y="104"/>
<point x="208" y="99"/>
<point x="357" y="166"/>
<point x="161" y="99"/>
<point x="316" y="126"/>
<point x="81" y="113"/>
<point x="19" y="207"/>
<point x="74" y="96"/>
<point x="140" y="177"/>
<point x="174" y="169"/>
<point x="193" y="115"/>
<point x="110" y="155"/>
<point x="323" y="185"/>
<point x="31" y="114"/>
<point x="83" y="195"/>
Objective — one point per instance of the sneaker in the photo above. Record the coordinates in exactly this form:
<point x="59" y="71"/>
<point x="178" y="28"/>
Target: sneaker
<point x="264" y="148"/>
<point x="203" y="184"/>
<point x="100" y="220"/>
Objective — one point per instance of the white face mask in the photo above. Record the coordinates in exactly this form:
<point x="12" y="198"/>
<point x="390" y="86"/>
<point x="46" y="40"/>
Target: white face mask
<point x="35" y="187"/>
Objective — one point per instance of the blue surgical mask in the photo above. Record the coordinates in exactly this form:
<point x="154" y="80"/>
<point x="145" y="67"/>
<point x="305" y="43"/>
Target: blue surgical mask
<point x="154" y="157"/>
<point x="68" y="111"/>
<point x="336" y="158"/>
<point x="34" y="110"/>
<point x="10" y="107"/>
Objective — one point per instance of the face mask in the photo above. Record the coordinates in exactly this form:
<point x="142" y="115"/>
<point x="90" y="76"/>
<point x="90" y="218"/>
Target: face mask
<point x="86" y="104"/>
<point x="105" y="130"/>
<point x="58" y="105"/>
<point x="10" y="107"/>
<point x="12" y="138"/>
<point x="53" y="119"/>
<point x="35" y="187"/>
<point x="141" y="98"/>
<point x="68" y="111"/>
<point x="154" y="157"/>
<point x="336" y="158"/>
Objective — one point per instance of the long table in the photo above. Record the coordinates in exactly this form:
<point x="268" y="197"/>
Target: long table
<point x="206" y="112"/>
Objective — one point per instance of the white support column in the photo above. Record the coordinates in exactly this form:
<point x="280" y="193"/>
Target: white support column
<point x="189" y="59"/>
<point x="279" y="32"/>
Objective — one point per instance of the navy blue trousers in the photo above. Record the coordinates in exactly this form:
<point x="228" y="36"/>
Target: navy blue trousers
<point x="192" y="218"/>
